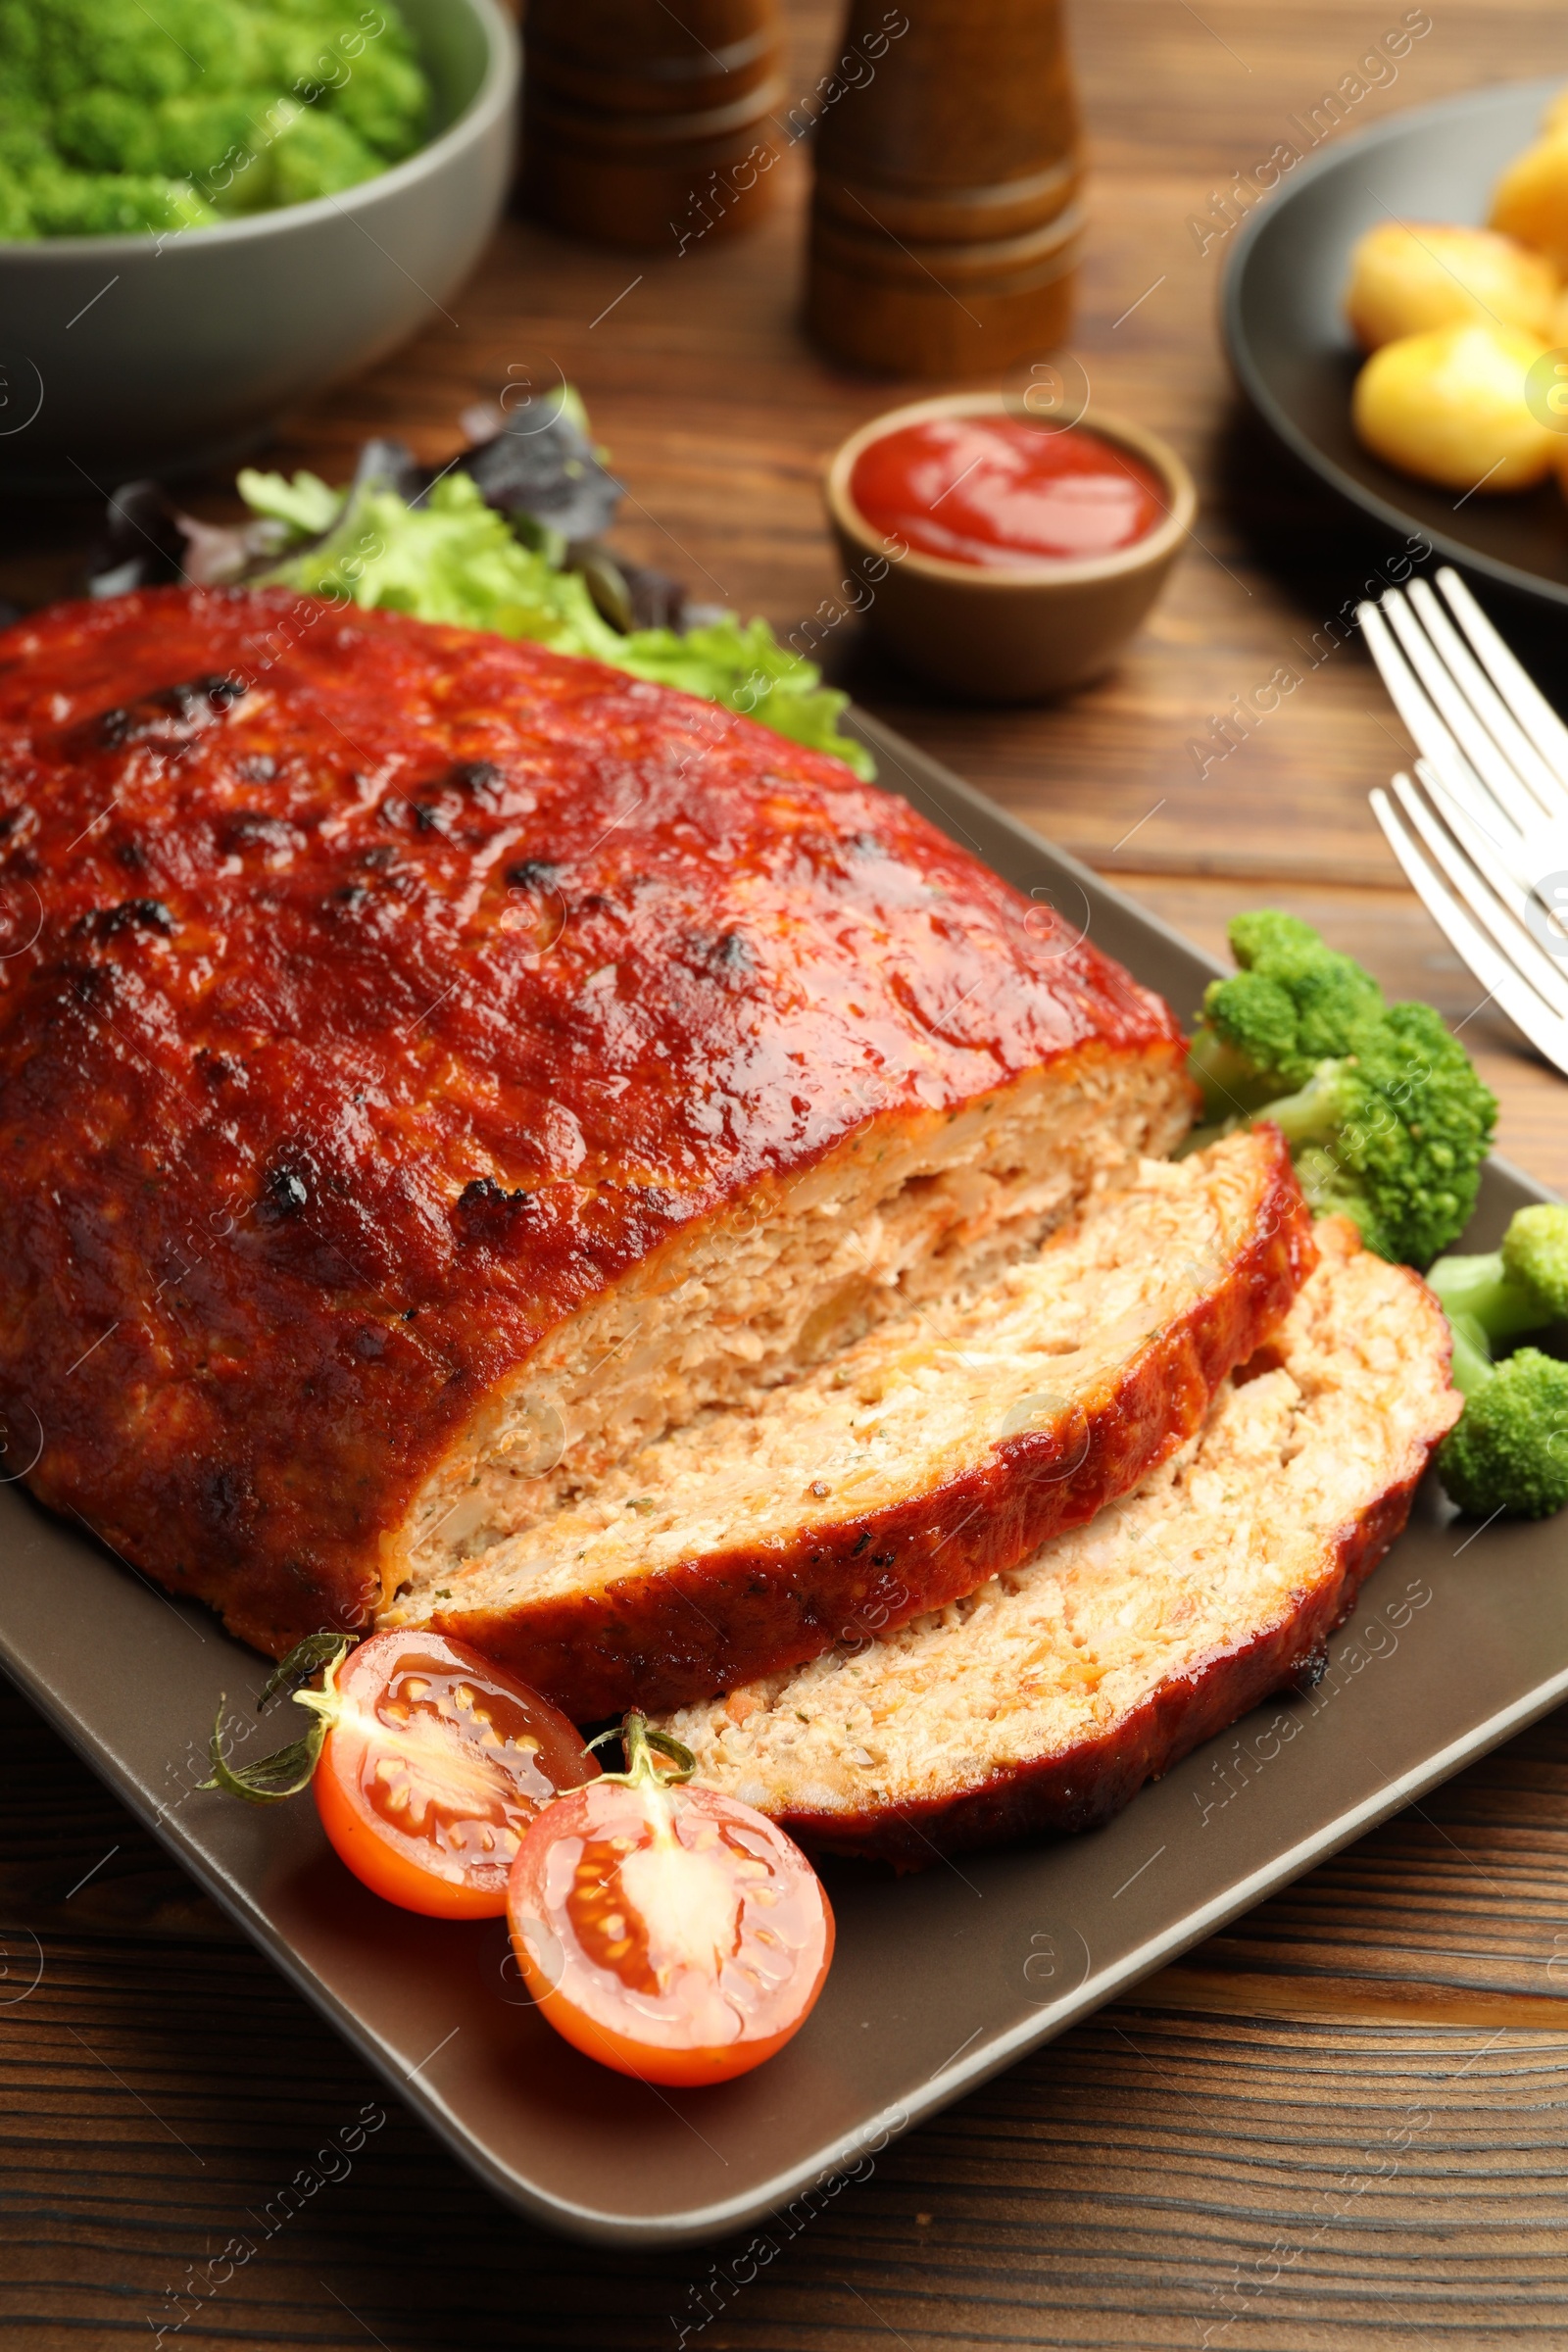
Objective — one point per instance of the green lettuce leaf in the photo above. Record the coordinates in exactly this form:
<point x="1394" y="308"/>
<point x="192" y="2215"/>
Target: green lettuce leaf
<point x="306" y="504"/>
<point x="456" y="560"/>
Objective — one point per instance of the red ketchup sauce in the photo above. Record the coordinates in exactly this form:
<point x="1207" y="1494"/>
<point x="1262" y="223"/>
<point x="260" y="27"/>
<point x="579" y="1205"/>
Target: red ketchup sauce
<point x="1000" y="491"/>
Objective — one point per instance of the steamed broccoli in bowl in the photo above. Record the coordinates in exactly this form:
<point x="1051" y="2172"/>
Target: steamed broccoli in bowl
<point x="116" y="119"/>
<point x="1386" y="1120"/>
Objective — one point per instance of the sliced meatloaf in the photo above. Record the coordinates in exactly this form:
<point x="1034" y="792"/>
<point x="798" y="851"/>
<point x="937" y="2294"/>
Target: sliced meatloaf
<point x="903" y="1473"/>
<point x="1045" y="1700"/>
<point x="431" y="1066"/>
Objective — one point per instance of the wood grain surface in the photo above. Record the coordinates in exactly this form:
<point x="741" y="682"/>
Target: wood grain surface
<point x="1339" y="2124"/>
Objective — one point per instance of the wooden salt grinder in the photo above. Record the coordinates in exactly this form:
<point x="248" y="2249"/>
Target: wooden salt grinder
<point x="946" y="223"/>
<point x="648" y="126"/>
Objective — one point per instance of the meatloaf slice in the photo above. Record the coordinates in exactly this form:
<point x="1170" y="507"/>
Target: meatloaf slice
<point x="431" y="1066"/>
<point x="1047" y="1698"/>
<point x="906" y="1470"/>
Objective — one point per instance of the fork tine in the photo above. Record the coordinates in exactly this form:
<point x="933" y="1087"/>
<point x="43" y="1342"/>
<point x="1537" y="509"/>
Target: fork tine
<point x="1489" y="709"/>
<point x="1548" y="1034"/>
<point x="1411" y="702"/>
<point x="1484" y="843"/>
<point x="1532" y="962"/>
<point x="1485" y="760"/>
<point x="1508" y="675"/>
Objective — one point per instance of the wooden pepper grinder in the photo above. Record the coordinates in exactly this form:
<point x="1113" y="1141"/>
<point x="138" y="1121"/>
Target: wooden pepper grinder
<point x="945" y="223"/>
<point x="649" y="126"/>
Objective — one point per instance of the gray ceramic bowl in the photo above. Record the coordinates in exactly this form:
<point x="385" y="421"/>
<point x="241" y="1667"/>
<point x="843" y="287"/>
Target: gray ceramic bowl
<point x="143" y="353"/>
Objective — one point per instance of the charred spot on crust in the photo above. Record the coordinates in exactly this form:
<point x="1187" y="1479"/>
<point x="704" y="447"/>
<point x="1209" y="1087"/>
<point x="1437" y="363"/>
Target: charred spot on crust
<point x="130" y="855"/>
<point x="722" y="956"/>
<point x="226" y="1497"/>
<point x="1307" y="1672"/>
<point x="473" y="776"/>
<point x="285" y="1193"/>
<point x="133" y="914"/>
<point x="111" y="728"/>
<point x="534" y="874"/>
<point x="485" y="1211"/>
<point x="89" y="984"/>
<point x="188" y="704"/>
<point x="863" y="1543"/>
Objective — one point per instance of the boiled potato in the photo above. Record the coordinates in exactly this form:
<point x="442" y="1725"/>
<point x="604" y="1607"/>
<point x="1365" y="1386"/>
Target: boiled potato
<point x="1451" y="407"/>
<point x="1404" y="280"/>
<point x="1530" y="200"/>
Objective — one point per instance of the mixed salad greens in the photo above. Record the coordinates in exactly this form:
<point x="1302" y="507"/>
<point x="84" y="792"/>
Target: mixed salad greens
<point x="508" y="538"/>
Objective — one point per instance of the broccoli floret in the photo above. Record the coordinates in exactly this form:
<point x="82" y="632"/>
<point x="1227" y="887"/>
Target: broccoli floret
<point x="78" y="45"/>
<point x="1509" y="1452"/>
<point x="386" y="101"/>
<point x="1386" y="1120"/>
<point x="105" y="130"/>
<point x="205" y="139"/>
<point x="318" y="156"/>
<point x="105" y="204"/>
<point x="1505" y="1291"/>
<point x="16" y="217"/>
<point x="1286" y="964"/>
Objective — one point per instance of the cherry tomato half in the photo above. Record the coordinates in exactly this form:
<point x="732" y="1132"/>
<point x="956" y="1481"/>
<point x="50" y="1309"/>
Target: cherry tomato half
<point x="435" y="1765"/>
<point x="667" y="1930"/>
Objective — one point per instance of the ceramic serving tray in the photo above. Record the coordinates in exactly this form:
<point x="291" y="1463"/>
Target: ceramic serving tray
<point x="940" y="1979"/>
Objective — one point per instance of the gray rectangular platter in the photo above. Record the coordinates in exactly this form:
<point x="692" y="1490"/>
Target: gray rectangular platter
<point x="940" y="1979"/>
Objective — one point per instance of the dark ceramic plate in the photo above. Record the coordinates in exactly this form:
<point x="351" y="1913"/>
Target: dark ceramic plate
<point x="1293" y="352"/>
<point x="940" y="1979"/>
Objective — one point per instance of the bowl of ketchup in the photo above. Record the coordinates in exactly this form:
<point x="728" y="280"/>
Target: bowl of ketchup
<point x="1001" y="555"/>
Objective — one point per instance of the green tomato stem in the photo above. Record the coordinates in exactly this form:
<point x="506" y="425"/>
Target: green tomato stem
<point x="641" y="1747"/>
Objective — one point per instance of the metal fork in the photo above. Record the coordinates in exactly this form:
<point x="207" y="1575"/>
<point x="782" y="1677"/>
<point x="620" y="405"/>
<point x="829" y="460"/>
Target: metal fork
<point x="1493" y="816"/>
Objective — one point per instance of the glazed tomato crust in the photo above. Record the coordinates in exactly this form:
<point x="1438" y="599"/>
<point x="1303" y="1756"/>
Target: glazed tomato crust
<point x="726" y="1619"/>
<point x="390" y="992"/>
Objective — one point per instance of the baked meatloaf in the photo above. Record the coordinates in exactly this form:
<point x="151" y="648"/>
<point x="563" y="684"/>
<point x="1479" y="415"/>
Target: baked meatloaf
<point x="946" y="1446"/>
<point x="1045" y="1700"/>
<point x="430" y="1067"/>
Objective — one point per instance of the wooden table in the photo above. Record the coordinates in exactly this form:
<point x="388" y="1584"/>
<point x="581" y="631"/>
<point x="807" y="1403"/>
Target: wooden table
<point x="1339" y="2123"/>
